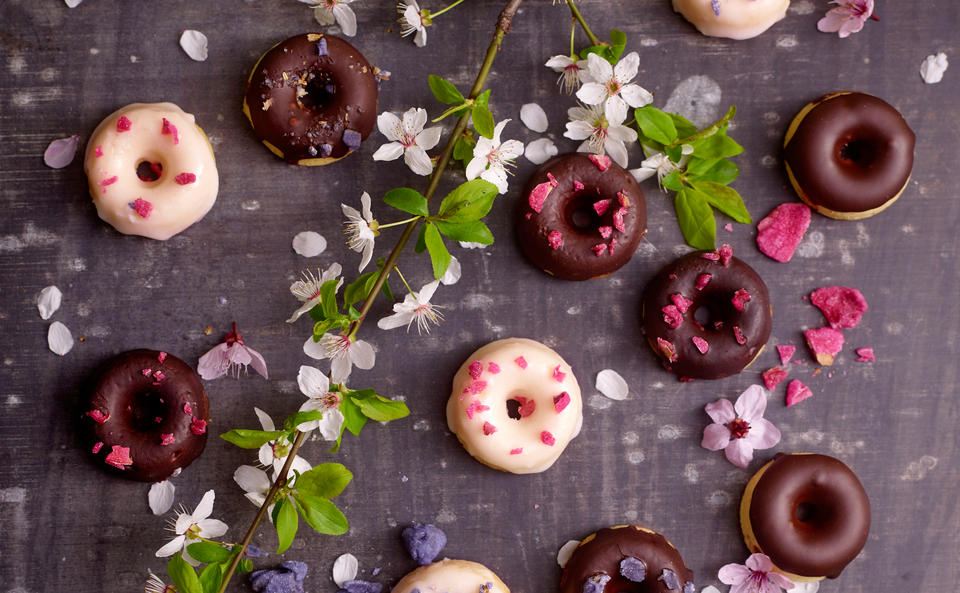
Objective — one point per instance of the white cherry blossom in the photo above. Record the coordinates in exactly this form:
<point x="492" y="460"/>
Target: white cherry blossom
<point x="274" y="453"/>
<point x="415" y="307"/>
<point x="408" y="138"/>
<point x="307" y="290"/>
<point x="360" y="229"/>
<point x="601" y="129"/>
<point x="573" y="72"/>
<point x="411" y="22"/>
<point x="190" y="527"/>
<point x="344" y="353"/>
<point x="315" y="385"/>
<point x="612" y="83"/>
<point x="328" y="12"/>
<point x="491" y="157"/>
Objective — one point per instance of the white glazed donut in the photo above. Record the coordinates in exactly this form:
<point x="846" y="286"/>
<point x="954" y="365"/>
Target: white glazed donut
<point x="161" y="134"/>
<point x="451" y="576"/>
<point x="736" y="19"/>
<point x="515" y="405"/>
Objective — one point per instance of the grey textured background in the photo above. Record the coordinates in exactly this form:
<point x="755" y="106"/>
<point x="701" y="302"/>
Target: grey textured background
<point x="67" y="525"/>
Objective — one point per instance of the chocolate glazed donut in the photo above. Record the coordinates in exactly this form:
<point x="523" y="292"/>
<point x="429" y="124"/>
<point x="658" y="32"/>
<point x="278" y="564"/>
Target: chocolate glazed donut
<point x="809" y="513"/>
<point x="626" y="559"/>
<point x="849" y="155"/>
<point x="582" y="217"/>
<point x="147" y="415"/>
<point x="312" y="99"/>
<point x="707" y="314"/>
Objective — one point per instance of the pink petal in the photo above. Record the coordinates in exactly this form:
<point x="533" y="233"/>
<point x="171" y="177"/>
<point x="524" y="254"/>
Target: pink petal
<point x="721" y="411"/>
<point x="739" y="452"/>
<point x="715" y="437"/>
<point x="214" y="363"/>
<point x="779" y="579"/>
<point x="763" y="434"/>
<point x="831" y="23"/>
<point x="60" y="152"/>
<point x="257" y="362"/>
<point x="759" y="563"/>
<point x="751" y="404"/>
<point x="733" y="574"/>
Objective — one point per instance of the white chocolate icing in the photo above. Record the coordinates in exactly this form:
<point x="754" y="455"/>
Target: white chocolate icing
<point x="450" y="576"/>
<point x="738" y="19"/>
<point x="111" y="162"/>
<point x="479" y="398"/>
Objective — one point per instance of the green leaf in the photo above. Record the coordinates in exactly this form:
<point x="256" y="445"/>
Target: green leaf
<point x="328" y="298"/>
<point x="474" y="232"/>
<point x="246" y="565"/>
<point x="286" y="521"/>
<point x="353" y="418"/>
<point x="674" y="153"/>
<point x="208" y="552"/>
<point x="250" y="439"/>
<point x="717" y="146"/>
<point x="463" y="150"/>
<point x="321" y="514"/>
<point x="685" y="128"/>
<point x="655" y="124"/>
<point x="439" y="256"/>
<point x="723" y="198"/>
<point x="327" y="480"/>
<point x="210" y="577"/>
<point x="408" y="200"/>
<point x="718" y="126"/>
<point x="672" y="181"/>
<point x="720" y="171"/>
<point x="468" y="201"/>
<point x="298" y="418"/>
<point x="421" y="245"/>
<point x="483" y="99"/>
<point x="183" y="575"/>
<point x="382" y="409"/>
<point x="696" y="219"/>
<point x="618" y="42"/>
<point x="444" y="90"/>
<point x="482" y="120"/>
<point x="358" y="290"/>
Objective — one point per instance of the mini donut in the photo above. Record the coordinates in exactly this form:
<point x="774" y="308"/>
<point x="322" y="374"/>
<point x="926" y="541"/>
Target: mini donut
<point x="146" y="415"/>
<point x="734" y="309"/>
<point x="583" y="217"/>
<point x="515" y="405"/>
<point x="151" y="170"/>
<point x="312" y="99"/>
<point x="849" y="155"/>
<point x="809" y="513"/>
<point x="734" y="19"/>
<point x="626" y="559"/>
<point x="451" y="576"/>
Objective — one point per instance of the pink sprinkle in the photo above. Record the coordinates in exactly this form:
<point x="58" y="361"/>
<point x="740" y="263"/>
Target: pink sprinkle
<point x="97" y="446"/>
<point x="672" y="276"/>
<point x="555" y="239"/>
<point x="142" y="207"/>
<point x="98" y="416"/>
<point x="738" y="335"/>
<point x="162" y="356"/>
<point x="169" y="128"/>
<point x="547" y="438"/>
<point x="667" y="349"/>
<point x="701" y="344"/>
<point x="493" y="367"/>
<point x="740" y="298"/>
<point x="865" y="354"/>
<point x="613" y="245"/>
<point x="489" y="429"/>
<point x="98" y="151"/>
<point x="711" y="255"/>
<point x="843" y="307"/>
<point x="786" y="353"/>
<point x="682" y="302"/>
<point x="797" y="392"/>
<point x="577" y="186"/>
<point x="476" y="407"/>
<point x="779" y="234"/>
<point x="521" y="362"/>
<point x="119" y="457"/>
<point x="198" y="426"/>
<point x="539" y="195"/>
<point x="475" y="387"/>
<point x="187" y="409"/>
<point x="773" y="377"/>
<point x="672" y="316"/>
<point x="123" y="124"/>
<point x="726" y="254"/>
<point x="146" y="372"/>
<point x="110" y="181"/>
<point x="601" y="206"/>
<point x="560" y="402"/>
<point x="516" y="451"/>
<point x="599" y="249"/>
<point x="558" y="375"/>
<point x="623" y="199"/>
<point x="605" y="231"/>
<point x="185" y="178"/>
<point x="159" y="376"/>
<point x="553" y="180"/>
<point x="602" y="161"/>
<point x="476" y="369"/>
<point x="167" y="439"/>
<point x="702" y="281"/>
<point x="618" y="219"/>
<point x="728" y="227"/>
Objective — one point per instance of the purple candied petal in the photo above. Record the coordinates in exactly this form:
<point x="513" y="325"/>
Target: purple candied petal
<point x="715" y="4"/>
<point x="423" y="542"/>
<point x="670" y="580"/>
<point x="287" y="578"/>
<point x="60" y="152"/>
<point x="633" y="569"/>
<point x="255" y="552"/>
<point x="352" y="139"/>
<point x="487" y="587"/>
<point x="358" y="586"/>
<point x="689" y="587"/>
<point x="299" y="569"/>
<point x="596" y="583"/>
<point x="322" y="47"/>
<point x="326" y="150"/>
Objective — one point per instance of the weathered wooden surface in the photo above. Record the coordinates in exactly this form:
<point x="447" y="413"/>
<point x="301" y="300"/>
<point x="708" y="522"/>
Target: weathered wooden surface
<point x="67" y="526"/>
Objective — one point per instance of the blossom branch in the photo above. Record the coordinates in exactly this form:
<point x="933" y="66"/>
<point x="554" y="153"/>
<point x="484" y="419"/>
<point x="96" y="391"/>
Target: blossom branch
<point x="583" y="23"/>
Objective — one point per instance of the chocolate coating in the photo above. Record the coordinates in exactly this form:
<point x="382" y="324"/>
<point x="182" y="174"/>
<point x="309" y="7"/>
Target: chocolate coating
<point x="725" y="356"/>
<point x="311" y="97"/>
<point x="571" y="213"/>
<point x="810" y="514"/>
<point x="611" y="545"/>
<point x="851" y="152"/>
<point x="140" y="407"/>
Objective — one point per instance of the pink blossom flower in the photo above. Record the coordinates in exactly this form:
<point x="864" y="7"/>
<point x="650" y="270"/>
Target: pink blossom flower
<point x="231" y="354"/>
<point x="756" y="577"/>
<point x="740" y="428"/>
<point x="848" y="17"/>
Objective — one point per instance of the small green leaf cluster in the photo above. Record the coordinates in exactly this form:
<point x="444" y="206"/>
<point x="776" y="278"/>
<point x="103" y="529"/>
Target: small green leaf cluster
<point x="327" y="315"/>
<point x="612" y="51"/>
<point x="479" y="108"/>
<point x="216" y="556"/>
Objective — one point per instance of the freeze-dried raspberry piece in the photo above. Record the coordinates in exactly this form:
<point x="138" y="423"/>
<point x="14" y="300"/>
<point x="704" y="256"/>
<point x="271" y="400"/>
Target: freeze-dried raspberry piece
<point x="843" y="307"/>
<point x="865" y="354"/>
<point x="682" y="302"/>
<point x="740" y="298"/>
<point x="672" y="316"/>
<point x="782" y="230"/>
<point x="539" y="195"/>
<point x="773" y="377"/>
<point x="797" y="392"/>
<point x="786" y="353"/>
<point x="824" y="343"/>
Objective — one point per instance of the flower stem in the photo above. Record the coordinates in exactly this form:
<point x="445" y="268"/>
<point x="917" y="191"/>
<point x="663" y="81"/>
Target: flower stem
<point x="434" y="15"/>
<point x="398" y="223"/>
<point x="586" y="28"/>
<point x="573" y="34"/>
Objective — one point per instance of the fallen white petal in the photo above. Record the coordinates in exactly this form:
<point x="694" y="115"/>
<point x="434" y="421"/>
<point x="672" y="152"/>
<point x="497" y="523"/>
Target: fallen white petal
<point x="453" y="273"/>
<point x="533" y="116"/>
<point x="160" y="497"/>
<point x="59" y="338"/>
<point x="345" y="569"/>
<point x="73" y="3"/>
<point x="540" y="151"/>
<point x="194" y="43"/>
<point x="309" y="244"/>
<point x="933" y="68"/>
<point x="472" y="245"/>
<point x="712" y="589"/>
<point x="612" y="385"/>
<point x="49" y="301"/>
<point x="808" y="587"/>
<point x="566" y="550"/>
<point x="60" y="153"/>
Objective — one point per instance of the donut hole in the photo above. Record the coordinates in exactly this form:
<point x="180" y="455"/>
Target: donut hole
<point x="813" y="515"/>
<point x="149" y="171"/>
<point x="147" y="411"/>
<point x="580" y="214"/>
<point x="513" y="409"/>
<point x="520" y="406"/>
<point x="321" y="91"/>
<point x="862" y="153"/>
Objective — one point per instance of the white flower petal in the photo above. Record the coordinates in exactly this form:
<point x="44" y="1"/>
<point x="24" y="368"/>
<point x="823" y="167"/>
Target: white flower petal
<point x="627" y="67"/>
<point x="414" y="119"/>
<point x="622" y="133"/>
<point x="399" y="319"/>
<point x="362" y="355"/>
<point x="615" y="111"/>
<point x="252" y="479"/>
<point x="416" y="158"/>
<point x="212" y="528"/>
<point x="265" y="454"/>
<point x="389" y="126"/>
<point x="312" y="382"/>
<point x="636" y="95"/>
<point x="453" y="273"/>
<point x="329" y="426"/>
<point x="420" y="39"/>
<point x="599" y="68"/>
<point x="72" y="3"/>
<point x="476" y="166"/>
<point x="365" y="205"/>
<point x="346" y="19"/>
<point x="266" y="422"/>
<point x="388" y="152"/>
<point x="171" y="547"/>
<point x="309" y="244"/>
<point x="367" y="255"/>
<point x="323" y="15"/>
<point x="803" y="587"/>
<point x="49" y="301"/>
<point x="643" y="173"/>
<point x="340" y="368"/>
<point x="566" y="550"/>
<point x="612" y="385"/>
<point x="426" y="293"/>
<point x="578" y="130"/>
<point x="314" y="350"/>
<point x="510" y="150"/>
<point x="617" y="151"/>
<point x="592" y="93"/>
<point x="429" y="138"/>
<point x="205" y="507"/>
<point x="534" y="117"/>
<point x="497" y="176"/>
<point x="160" y="497"/>
<point x="194" y="43"/>
<point x="59" y="338"/>
<point x="558" y="63"/>
<point x="345" y="569"/>
<point x="60" y="153"/>
<point x="931" y="70"/>
<point x="541" y="150"/>
<point x="472" y="245"/>
<point x="710" y="589"/>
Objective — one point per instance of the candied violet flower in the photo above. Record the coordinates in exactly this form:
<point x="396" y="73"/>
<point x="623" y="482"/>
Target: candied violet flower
<point x="423" y="542"/>
<point x="596" y="583"/>
<point x="358" y="586"/>
<point x="670" y="580"/>
<point x="287" y="578"/>
<point x="740" y="428"/>
<point x="633" y="569"/>
<point x="756" y="575"/>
